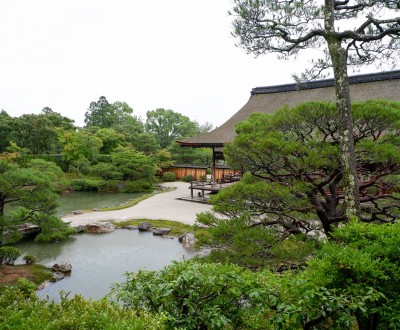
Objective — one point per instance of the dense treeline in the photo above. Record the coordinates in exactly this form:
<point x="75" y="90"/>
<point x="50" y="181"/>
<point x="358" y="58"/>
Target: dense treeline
<point x="107" y="126"/>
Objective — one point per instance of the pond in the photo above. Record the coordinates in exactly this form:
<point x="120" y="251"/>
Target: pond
<point x="100" y="260"/>
<point x="88" y="200"/>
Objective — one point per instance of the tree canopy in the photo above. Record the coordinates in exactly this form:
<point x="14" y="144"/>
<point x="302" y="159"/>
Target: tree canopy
<point x="30" y="190"/>
<point x="168" y="125"/>
<point x="295" y="177"/>
<point x="105" y="115"/>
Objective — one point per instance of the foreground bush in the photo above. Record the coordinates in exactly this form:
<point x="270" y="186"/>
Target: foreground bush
<point x="21" y="309"/>
<point x="353" y="283"/>
<point x="192" y="295"/>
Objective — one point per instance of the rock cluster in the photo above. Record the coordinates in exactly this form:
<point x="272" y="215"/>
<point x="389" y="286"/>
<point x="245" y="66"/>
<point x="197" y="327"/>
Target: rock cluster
<point x="60" y="270"/>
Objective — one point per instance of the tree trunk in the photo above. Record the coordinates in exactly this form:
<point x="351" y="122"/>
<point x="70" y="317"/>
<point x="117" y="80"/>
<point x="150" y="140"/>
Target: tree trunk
<point x="367" y="323"/>
<point x="343" y="103"/>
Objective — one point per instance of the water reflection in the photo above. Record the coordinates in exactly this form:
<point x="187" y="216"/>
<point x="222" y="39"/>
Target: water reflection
<point x="101" y="260"/>
<point x="88" y="200"/>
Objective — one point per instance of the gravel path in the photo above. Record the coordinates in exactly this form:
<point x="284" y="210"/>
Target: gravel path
<point x="163" y="206"/>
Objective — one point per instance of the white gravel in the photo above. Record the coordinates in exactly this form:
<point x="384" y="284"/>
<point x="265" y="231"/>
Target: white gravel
<point x="163" y="206"/>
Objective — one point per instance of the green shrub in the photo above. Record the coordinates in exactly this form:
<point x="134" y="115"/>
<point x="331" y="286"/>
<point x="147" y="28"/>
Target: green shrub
<point x="86" y="184"/>
<point x="29" y="259"/>
<point x="169" y="176"/>
<point x="138" y="186"/>
<point x="252" y="247"/>
<point x="192" y="295"/>
<point x="53" y="229"/>
<point x="110" y="186"/>
<point x="353" y="280"/>
<point x="8" y="255"/>
<point x="21" y="309"/>
<point x="188" y="178"/>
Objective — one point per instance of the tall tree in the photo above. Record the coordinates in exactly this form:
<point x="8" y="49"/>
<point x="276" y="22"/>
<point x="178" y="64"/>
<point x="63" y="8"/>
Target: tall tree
<point x="105" y="115"/>
<point x="296" y="179"/>
<point x="168" y="125"/>
<point x="350" y="33"/>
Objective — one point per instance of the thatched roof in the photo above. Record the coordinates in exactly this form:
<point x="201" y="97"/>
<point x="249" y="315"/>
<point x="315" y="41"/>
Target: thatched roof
<point x="384" y="85"/>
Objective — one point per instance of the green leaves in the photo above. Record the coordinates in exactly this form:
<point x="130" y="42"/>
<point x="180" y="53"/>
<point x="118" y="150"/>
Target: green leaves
<point x="168" y="125"/>
<point x="191" y="295"/>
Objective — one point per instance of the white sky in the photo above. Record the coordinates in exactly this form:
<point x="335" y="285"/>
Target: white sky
<point x="172" y="54"/>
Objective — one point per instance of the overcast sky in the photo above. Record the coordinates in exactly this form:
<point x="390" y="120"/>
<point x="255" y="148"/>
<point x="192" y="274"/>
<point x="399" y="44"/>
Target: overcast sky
<point x="172" y="54"/>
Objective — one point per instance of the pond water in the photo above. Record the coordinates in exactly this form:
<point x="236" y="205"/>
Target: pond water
<point x="88" y="200"/>
<point x="100" y="260"/>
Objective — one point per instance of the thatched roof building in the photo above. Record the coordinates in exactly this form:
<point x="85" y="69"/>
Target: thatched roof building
<point x="384" y="85"/>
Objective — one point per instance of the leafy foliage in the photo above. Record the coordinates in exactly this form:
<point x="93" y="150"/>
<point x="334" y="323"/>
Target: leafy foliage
<point x="53" y="230"/>
<point x="195" y="156"/>
<point x="138" y="186"/>
<point x="191" y="295"/>
<point x="31" y="192"/>
<point x="8" y="255"/>
<point x="169" y="176"/>
<point x="29" y="259"/>
<point x="20" y="308"/>
<point x="236" y="241"/>
<point x="354" y="278"/>
<point x="133" y="165"/>
<point x="105" y="115"/>
<point x="168" y="125"/>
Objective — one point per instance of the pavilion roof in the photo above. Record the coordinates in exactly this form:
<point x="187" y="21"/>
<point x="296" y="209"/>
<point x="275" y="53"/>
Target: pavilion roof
<point x="383" y="85"/>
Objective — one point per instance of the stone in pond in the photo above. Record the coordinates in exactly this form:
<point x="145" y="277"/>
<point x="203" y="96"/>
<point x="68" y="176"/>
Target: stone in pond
<point x="62" y="268"/>
<point x="161" y="231"/>
<point x="145" y="226"/>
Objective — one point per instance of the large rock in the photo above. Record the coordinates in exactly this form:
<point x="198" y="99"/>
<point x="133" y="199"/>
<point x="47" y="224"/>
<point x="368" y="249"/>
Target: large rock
<point x="145" y="226"/>
<point x="100" y="227"/>
<point x="64" y="268"/>
<point x="189" y="240"/>
<point x="161" y="231"/>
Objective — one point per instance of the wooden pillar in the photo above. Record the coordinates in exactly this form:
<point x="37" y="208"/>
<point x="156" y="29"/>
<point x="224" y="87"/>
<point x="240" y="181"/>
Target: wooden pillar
<point x="213" y="170"/>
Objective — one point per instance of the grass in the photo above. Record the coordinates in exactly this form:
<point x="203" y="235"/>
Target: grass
<point x="177" y="228"/>
<point x="36" y="273"/>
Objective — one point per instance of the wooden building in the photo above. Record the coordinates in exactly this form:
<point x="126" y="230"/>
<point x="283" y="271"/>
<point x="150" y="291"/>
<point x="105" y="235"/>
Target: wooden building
<point x="199" y="172"/>
<point x="382" y="85"/>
